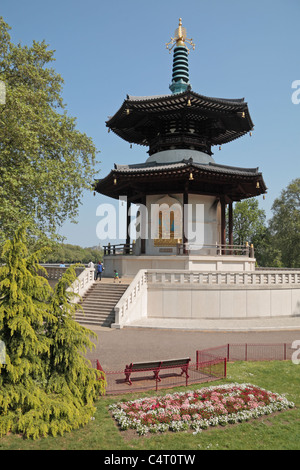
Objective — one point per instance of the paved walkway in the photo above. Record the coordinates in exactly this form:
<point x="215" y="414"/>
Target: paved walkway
<point x="238" y="324"/>
<point x="161" y="339"/>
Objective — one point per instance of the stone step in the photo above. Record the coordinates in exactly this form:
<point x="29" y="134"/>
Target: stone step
<point x="99" y="302"/>
<point x="95" y="303"/>
<point x="103" y="293"/>
<point x="102" y="297"/>
<point x="94" y="316"/>
<point x="92" y="319"/>
<point x="97" y="321"/>
<point x="94" y="312"/>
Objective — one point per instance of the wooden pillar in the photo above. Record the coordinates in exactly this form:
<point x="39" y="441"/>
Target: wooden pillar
<point x="144" y="226"/>
<point x="184" y="217"/>
<point x="223" y="224"/>
<point x="230" y="226"/>
<point x="127" y="250"/>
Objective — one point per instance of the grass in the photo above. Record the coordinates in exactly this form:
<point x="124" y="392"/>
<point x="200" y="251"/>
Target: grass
<point x="273" y="432"/>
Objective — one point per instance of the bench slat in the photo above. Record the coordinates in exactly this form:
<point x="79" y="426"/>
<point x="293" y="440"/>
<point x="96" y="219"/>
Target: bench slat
<point x="153" y="364"/>
<point x="144" y="365"/>
<point x="175" y="362"/>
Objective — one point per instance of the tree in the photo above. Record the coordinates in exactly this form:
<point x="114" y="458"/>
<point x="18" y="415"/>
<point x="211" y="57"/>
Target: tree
<point x="23" y="310"/>
<point x="45" y="162"/>
<point x="68" y="371"/>
<point x="46" y="386"/>
<point x="248" y="221"/>
<point x="285" y="224"/>
<point x="266" y="253"/>
<point x="73" y="254"/>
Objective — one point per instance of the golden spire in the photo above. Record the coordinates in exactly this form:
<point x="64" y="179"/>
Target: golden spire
<point x="180" y="38"/>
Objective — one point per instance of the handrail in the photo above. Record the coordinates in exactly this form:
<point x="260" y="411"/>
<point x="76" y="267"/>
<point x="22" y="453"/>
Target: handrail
<point x="120" y="249"/>
<point x="82" y="283"/>
<point x="275" y="269"/>
<point x="218" y="248"/>
<point x="187" y="249"/>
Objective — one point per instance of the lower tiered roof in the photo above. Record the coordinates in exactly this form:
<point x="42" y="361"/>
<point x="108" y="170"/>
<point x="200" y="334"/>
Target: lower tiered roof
<point x="137" y="180"/>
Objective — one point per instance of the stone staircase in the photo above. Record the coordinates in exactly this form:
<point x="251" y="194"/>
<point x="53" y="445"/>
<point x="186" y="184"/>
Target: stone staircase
<point x="98" y="303"/>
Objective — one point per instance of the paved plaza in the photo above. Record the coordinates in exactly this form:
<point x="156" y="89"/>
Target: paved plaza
<point x="116" y="348"/>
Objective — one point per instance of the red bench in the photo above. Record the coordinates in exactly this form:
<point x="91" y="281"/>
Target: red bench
<point x="156" y="367"/>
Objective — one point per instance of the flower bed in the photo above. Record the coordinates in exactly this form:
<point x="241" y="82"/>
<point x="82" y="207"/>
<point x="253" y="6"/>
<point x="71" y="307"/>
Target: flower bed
<point x="198" y="409"/>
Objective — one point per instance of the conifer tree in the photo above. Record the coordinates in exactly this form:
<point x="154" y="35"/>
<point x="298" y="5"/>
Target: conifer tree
<point x="69" y="374"/>
<point x="23" y="309"/>
<point x="46" y="386"/>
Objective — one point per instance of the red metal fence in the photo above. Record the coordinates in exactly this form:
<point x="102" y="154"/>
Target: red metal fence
<point x="248" y="352"/>
<point x="211" y="364"/>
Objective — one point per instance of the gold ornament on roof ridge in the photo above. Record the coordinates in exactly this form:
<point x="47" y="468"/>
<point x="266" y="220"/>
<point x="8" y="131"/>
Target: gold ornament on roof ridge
<point x="180" y="39"/>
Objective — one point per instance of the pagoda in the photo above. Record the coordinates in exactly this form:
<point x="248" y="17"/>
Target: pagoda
<point x="181" y="190"/>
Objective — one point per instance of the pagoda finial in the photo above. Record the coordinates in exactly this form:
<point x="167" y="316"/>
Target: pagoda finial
<point x="180" y="39"/>
<point x="180" y="75"/>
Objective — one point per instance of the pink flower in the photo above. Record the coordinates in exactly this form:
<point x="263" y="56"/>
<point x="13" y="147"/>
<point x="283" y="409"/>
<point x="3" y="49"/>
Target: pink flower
<point x="176" y="417"/>
<point x="185" y="417"/>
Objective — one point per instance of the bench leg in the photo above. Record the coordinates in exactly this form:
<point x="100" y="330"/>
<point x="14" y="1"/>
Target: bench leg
<point x="156" y="376"/>
<point x="127" y="377"/>
<point x="184" y="370"/>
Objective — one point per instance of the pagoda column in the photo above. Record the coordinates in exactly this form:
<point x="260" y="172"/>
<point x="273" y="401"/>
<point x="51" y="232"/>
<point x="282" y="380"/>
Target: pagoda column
<point x="230" y="226"/>
<point x="184" y="217"/>
<point x="127" y="248"/>
<point x="144" y="226"/>
<point x="223" y="224"/>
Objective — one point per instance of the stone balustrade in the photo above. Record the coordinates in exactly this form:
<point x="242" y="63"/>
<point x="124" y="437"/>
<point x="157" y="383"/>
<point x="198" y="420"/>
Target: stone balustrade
<point x="197" y="294"/>
<point x="255" y="278"/>
<point x="133" y="303"/>
<point x="85" y="278"/>
<point x="83" y="282"/>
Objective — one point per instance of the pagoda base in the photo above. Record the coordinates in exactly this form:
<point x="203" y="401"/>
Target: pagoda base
<point x="129" y="265"/>
<point x="181" y="296"/>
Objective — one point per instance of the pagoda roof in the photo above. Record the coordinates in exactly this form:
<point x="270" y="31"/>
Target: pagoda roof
<point x="139" y="115"/>
<point x="137" y="180"/>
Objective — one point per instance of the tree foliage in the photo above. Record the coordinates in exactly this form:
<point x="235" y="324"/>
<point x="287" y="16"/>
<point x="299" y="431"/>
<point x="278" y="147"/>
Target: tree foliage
<point x="285" y="224"/>
<point x="46" y="385"/>
<point x="276" y="243"/>
<point x="67" y="253"/>
<point x="248" y="221"/>
<point x="45" y="162"/>
<point x="68" y="374"/>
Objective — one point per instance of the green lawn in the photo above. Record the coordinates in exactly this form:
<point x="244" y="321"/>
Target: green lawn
<point x="281" y="431"/>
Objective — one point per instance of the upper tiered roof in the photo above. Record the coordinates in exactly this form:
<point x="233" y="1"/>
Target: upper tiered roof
<point x="181" y="120"/>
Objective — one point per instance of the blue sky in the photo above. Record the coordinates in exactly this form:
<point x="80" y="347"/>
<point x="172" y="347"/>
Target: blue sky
<point x="107" y="49"/>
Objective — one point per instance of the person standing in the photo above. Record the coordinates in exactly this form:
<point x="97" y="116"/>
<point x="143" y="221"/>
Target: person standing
<point x="99" y="270"/>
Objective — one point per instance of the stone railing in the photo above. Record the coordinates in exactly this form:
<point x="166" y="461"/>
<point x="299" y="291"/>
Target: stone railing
<point x="254" y="278"/>
<point x="84" y="280"/>
<point x="55" y="271"/>
<point x="133" y="303"/>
